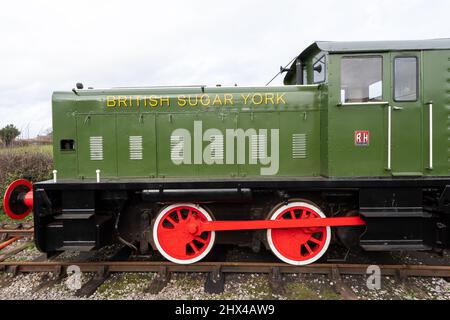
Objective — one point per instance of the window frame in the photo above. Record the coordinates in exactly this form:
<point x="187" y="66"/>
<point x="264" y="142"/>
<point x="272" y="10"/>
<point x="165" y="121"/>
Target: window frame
<point x="356" y="56"/>
<point x="394" y="80"/>
<point x="71" y="142"/>
<point x="324" y="56"/>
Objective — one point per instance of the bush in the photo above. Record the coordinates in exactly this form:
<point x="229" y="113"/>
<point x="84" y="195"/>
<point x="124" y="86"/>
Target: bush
<point x="33" y="166"/>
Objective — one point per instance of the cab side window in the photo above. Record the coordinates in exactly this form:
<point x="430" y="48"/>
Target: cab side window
<point x="361" y="79"/>
<point x="405" y="78"/>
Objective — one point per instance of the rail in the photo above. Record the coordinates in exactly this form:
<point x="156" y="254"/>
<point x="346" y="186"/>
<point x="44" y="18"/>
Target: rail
<point x="225" y="267"/>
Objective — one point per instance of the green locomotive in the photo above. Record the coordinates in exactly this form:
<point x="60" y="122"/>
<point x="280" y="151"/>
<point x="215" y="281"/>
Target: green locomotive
<point x="353" y="148"/>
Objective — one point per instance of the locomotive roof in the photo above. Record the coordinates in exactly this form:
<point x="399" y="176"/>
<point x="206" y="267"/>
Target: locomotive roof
<point x="370" y="46"/>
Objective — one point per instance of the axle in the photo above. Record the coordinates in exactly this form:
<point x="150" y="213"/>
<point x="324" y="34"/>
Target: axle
<point x="197" y="227"/>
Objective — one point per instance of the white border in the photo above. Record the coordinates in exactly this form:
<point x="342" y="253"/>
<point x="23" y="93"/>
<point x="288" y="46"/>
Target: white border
<point x="166" y="255"/>
<point x="294" y="262"/>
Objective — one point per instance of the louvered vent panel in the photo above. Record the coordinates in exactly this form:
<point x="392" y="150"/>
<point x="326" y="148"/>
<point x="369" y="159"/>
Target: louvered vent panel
<point x="299" y="146"/>
<point x="96" y="148"/>
<point x="135" y="147"/>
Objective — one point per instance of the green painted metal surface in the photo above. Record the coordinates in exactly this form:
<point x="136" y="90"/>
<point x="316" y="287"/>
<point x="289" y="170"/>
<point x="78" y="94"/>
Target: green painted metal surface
<point x="292" y="130"/>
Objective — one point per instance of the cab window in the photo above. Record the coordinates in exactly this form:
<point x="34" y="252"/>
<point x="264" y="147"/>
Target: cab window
<point x="361" y="79"/>
<point x="405" y="79"/>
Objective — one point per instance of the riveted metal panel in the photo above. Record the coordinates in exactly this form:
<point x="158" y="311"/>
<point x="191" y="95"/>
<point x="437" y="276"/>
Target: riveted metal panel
<point x="174" y="148"/>
<point x="136" y="142"/>
<point x="96" y="145"/>
<point x="300" y="140"/>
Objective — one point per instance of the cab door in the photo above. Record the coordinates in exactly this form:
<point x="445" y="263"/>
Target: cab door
<point x="405" y="115"/>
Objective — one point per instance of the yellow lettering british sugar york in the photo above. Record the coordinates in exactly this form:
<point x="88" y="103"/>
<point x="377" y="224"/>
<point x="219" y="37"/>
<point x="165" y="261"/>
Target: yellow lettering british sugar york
<point x="111" y="101"/>
<point x="280" y="98"/>
<point x="122" y="101"/>
<point x="270" y="98"/>
<point x="245" y="97"/>
<point x="153" y="101"/>
<point x="193" y="101"/>
<point x="217" y="100"/>
<point x="181" y="101"/>
<point x="165" y="100"/>
<point x="257" y="98"/>
<point x="205" y="100"/>
<point x="228" y="99"/>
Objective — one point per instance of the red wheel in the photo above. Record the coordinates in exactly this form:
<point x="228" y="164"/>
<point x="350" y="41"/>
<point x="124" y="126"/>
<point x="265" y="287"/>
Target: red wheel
<point x="18" y="199"/>
<point x="299" y="246"/>
<point x="175" y="238"/>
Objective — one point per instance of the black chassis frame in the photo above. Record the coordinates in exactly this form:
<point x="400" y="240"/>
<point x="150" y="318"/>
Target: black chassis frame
<point x="407" y="213"/>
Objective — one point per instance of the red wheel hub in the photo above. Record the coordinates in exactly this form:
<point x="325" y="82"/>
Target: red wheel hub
<point x="299" y="246"/>
<point x="175" y="233"/>
<point x="18" y="199"/>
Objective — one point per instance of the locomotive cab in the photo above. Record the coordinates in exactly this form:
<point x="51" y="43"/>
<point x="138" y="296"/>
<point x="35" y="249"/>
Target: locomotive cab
<point x="386" y="89"/>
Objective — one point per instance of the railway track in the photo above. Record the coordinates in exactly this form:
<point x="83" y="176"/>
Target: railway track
<point x="112" y="265"/>
<point x="216" y="271"/>
<point x="224" y="267"/>
<point x="122" y="262"/>
<point x="17" y="232"/>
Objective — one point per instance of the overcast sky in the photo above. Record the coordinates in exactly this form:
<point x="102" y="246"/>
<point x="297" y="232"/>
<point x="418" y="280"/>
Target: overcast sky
<point x="51" y="45"/>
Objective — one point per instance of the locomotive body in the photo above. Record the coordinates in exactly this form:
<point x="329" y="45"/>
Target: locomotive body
<point x="358" y="132"/>
<point x="188" y="132"/>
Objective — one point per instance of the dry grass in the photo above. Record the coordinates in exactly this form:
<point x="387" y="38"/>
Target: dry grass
<point x="48" y="149"/>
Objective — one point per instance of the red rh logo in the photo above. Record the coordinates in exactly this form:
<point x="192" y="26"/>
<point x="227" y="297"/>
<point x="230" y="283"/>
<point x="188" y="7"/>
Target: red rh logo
<point x="362" y="137"/>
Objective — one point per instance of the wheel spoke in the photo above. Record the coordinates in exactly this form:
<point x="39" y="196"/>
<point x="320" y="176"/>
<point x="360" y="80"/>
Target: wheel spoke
<point x="172" y="222"/>
<point x="315" y="240"/>
<point x="292" y="214"/>
<point x="179" y="215"/>
<point x="201" y="240"/>
<point x="193" y="246"/>
<point x="308" y="248"/>
<point x="302" y="214"/>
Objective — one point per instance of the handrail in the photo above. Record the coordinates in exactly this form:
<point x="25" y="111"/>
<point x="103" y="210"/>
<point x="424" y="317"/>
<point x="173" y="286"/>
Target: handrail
<point x="389" y="137"/>
<point x="430" y="104"/>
